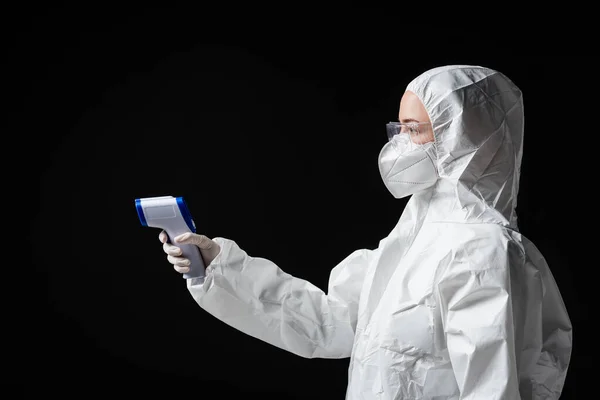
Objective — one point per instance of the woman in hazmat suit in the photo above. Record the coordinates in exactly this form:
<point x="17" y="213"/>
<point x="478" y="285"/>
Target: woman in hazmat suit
<point x="454" y="303"/>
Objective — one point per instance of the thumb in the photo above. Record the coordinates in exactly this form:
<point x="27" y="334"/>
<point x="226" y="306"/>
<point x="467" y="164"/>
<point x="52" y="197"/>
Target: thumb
<point x="163" y="237"/>
<point x="201" y="241"/>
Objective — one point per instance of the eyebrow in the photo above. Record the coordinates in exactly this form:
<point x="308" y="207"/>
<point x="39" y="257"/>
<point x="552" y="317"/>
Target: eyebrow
<point x="406" y="120"/>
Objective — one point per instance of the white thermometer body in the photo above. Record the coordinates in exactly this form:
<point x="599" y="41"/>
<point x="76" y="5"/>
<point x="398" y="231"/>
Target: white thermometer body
<point x="172" y="215"/>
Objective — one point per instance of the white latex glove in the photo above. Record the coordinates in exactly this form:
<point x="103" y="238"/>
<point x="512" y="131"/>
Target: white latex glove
<point x="208" y="248"/>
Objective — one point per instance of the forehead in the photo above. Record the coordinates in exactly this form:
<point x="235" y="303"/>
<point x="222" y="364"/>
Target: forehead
<point x="411" y="107"/>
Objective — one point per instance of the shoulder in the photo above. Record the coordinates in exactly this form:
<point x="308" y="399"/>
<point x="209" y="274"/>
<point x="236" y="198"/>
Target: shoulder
<point x="473" y="248"/>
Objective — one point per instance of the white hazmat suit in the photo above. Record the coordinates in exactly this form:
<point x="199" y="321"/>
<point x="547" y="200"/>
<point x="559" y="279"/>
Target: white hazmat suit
<point x="454" y="303"/>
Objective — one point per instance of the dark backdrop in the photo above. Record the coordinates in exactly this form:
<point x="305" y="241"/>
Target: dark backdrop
<point x="270" y="126"/>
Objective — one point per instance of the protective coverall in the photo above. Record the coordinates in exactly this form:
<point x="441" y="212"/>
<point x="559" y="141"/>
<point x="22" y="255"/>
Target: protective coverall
<point x="454" y="303"/>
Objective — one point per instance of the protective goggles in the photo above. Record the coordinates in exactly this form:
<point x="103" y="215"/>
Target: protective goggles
<point x="409" y="135"/>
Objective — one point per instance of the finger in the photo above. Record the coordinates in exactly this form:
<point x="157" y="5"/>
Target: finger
<point x="162" y="236"/>
<point x="201" y="241"/>
<point x="179" y="261"/>
<point x="181" y="270"/>
<point x="171" y="250"/>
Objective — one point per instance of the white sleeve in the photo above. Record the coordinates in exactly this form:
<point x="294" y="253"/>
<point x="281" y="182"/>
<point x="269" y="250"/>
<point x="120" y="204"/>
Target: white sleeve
<point x="256" y="297"/>
<point x="476" y="310"/>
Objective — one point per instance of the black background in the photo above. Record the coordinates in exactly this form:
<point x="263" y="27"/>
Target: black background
<point x="269" y="123"/>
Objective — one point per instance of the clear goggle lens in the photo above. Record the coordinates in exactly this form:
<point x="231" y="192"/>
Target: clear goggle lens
<point x="409" y="136"/>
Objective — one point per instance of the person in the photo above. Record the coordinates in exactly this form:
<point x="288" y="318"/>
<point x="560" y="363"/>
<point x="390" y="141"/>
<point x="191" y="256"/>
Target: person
<point x="455" y="303"/>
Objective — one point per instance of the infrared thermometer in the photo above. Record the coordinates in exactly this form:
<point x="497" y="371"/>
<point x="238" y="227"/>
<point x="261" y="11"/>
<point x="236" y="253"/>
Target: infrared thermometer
<point x="172" y="215"/>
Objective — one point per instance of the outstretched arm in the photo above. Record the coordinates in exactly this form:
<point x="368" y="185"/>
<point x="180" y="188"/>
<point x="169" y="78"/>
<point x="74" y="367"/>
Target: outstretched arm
<point x="256" y="297"/>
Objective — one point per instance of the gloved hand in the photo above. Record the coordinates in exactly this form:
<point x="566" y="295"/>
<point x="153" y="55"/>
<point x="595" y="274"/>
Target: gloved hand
<point x="208" y="248"/>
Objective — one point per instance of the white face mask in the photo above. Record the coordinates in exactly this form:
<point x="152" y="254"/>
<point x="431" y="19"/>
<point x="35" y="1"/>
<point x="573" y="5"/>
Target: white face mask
<point x="407" y="168"/>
